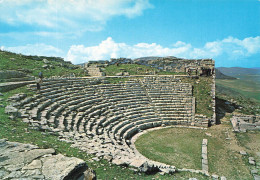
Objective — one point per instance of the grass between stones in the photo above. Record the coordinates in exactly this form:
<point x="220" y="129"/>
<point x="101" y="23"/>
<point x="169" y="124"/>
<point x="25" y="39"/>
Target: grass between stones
<point x="135" y="69"/>
<point x="223" y="154"/>
<point x="117" y="80"/>
<point x="18" y="131"/>
<point x="251" y="141"/>
<point x="182" y="147"/>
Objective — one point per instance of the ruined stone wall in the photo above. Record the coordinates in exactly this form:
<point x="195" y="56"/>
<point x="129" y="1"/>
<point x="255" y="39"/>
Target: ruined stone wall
<point x="242" y="123"/>
<point x="213" y="95"/>
<point x="179" y="65"/>
<point x="11" y="74"/>
<point x="164" y="63"/>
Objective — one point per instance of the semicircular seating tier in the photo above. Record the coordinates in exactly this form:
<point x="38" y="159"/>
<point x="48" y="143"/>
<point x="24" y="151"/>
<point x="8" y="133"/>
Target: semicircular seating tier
<point x="101" y="118"/>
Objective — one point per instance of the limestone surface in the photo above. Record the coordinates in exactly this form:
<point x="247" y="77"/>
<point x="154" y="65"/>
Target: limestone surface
<point x="26" y="161"/>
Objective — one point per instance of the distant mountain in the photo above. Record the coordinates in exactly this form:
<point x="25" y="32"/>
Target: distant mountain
<point x="220" y="75"/>
<point x="238" y="71"/>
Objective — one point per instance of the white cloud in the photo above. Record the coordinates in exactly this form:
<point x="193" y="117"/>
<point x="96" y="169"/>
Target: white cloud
<point x="87" y="15"/>
<point x="230" y="47"/>
<point x="233" y="47"/>
<point x="36" y="49"/>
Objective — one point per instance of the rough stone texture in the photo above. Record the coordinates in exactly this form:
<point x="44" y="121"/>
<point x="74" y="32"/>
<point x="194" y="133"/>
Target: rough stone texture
<point x="256" y="177"/>
<point x="243" y="153"/>
<point x="254" y="171"/>
<point x="46" y="61"/>
<point x="11" y="74"/>
<point x="223" y="178"/>
<point x="61" y="167"/>
<point x="17" y="97"/>
<point x="148" y="168"/>
<point x="25" y="161"/>
<point x="12" y="85"/>
<point x="119" y="74"/>
<point x="45" y="66"/>
<point x="242" y="123"/>
<point x="214" y="176"/>
<point x="89" y="175"/>
<point x="168" y="63"/>
<point x="11" y="110"/>
<point x="251" y="160"/>
<point x="204" y="155"/>
<point x="93" y="70"/>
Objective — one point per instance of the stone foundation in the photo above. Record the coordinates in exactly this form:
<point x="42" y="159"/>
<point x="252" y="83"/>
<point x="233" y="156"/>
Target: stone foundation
<point x="242" y="123"/>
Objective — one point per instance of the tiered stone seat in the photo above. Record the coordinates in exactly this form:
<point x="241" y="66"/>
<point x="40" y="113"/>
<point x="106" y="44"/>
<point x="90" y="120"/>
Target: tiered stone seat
<point x="171" y="99"/>
<point x="102" y="118"/>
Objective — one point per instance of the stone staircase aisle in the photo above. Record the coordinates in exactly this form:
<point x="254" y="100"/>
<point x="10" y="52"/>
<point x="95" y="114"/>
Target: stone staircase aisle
<point x="95" y="71"/>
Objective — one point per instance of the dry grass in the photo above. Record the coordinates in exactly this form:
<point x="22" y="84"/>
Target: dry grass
<point x="223" y="154"/>
<point x="182" y="147"/>
<point x="171" y="146"/>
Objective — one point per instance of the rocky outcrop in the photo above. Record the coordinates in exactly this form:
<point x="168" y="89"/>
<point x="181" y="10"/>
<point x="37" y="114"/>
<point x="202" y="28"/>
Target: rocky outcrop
<point x="26" y="161"/>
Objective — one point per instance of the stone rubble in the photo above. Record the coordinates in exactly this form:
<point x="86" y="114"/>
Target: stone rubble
<point x="243" y="153"/>
<point x="243" y="123"/>
<point x="251" y="160"/>
<point x="26" y="161"/>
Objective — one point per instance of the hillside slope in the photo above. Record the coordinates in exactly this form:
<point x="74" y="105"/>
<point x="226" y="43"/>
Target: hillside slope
<point x="230" y="94"/>
<point x="220" y="75"/>
<point x="32" y="65"/>
<point x="238" y="71"/>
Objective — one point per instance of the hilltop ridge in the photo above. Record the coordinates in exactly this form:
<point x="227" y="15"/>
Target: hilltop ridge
<point x="235" y="71"/>
<point x="32" y="65"/>
<point x="220" y="75"/>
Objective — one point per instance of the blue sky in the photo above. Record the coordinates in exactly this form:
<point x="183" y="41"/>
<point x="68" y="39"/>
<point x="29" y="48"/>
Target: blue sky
<point x="80" y="30"/>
